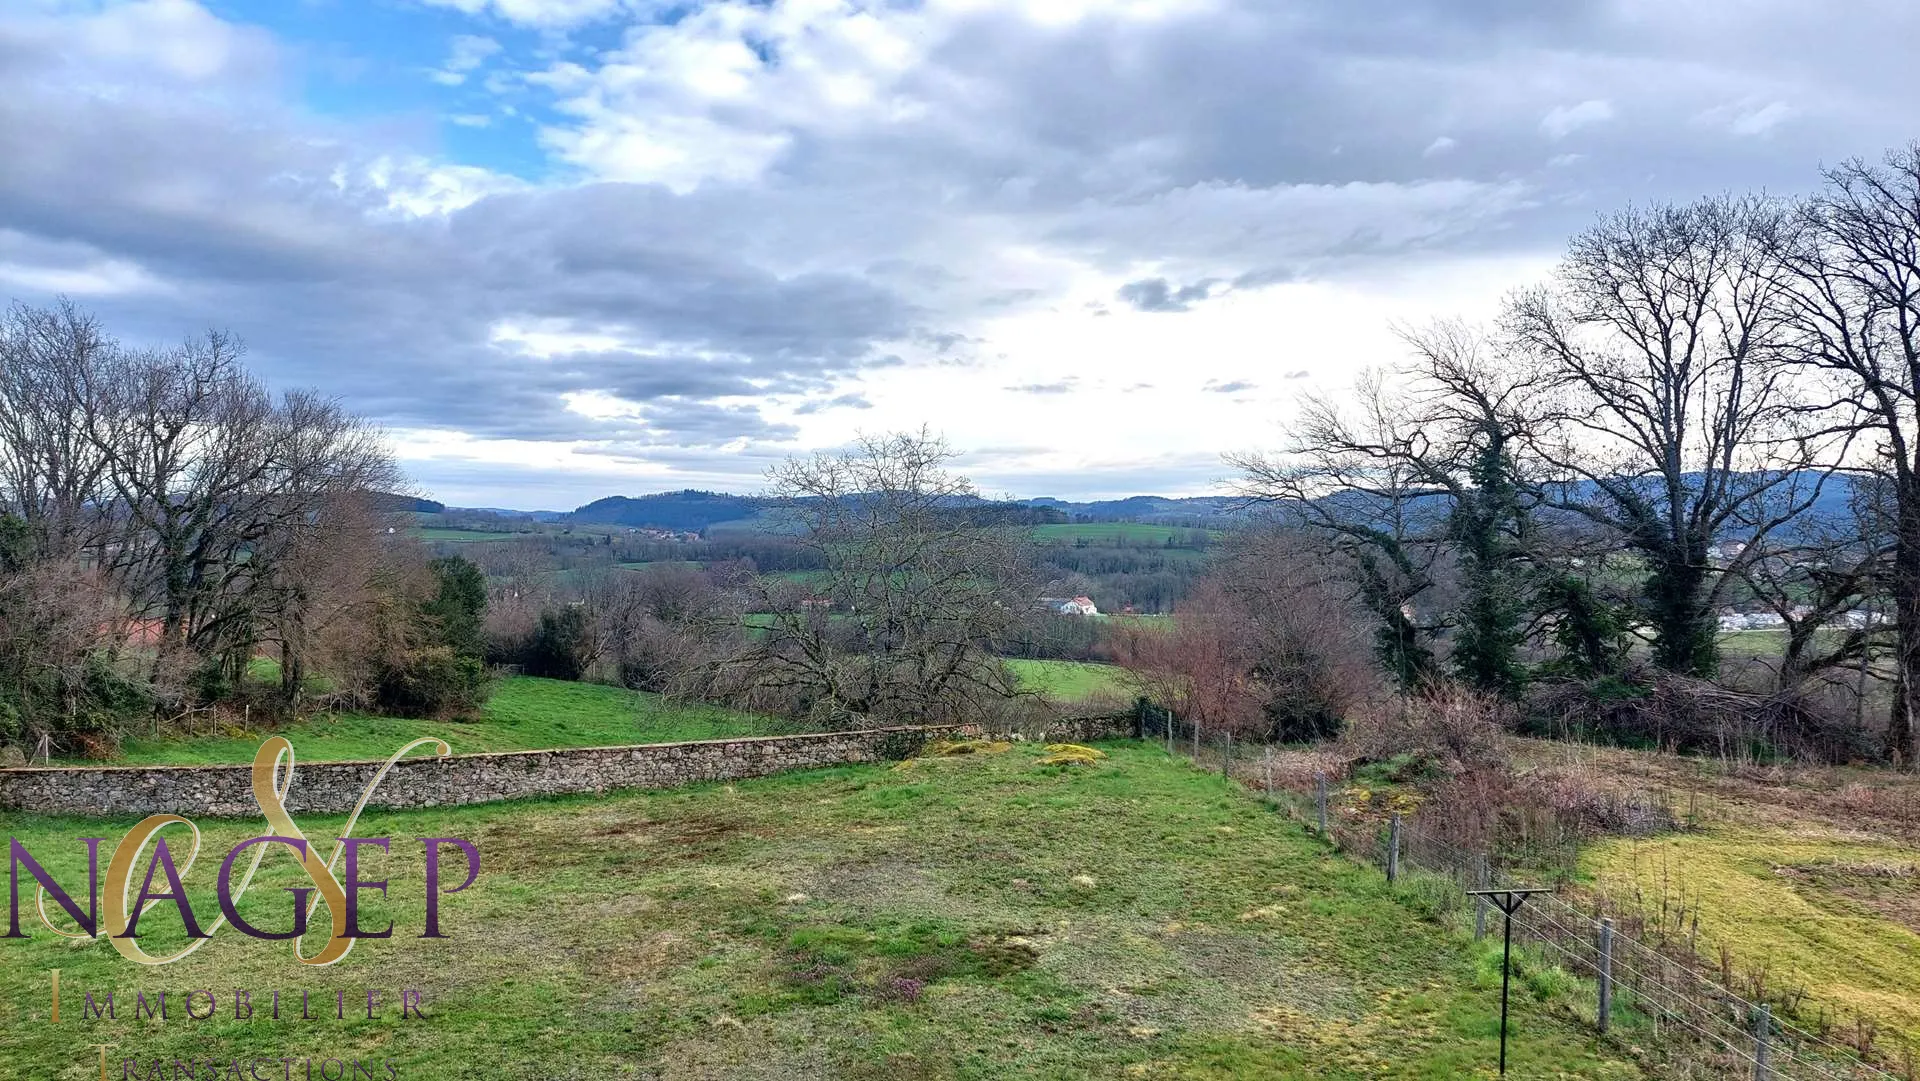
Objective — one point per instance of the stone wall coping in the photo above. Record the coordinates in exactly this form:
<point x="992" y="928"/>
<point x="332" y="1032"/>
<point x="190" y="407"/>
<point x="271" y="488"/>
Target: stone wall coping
<point x="474" y="756"/>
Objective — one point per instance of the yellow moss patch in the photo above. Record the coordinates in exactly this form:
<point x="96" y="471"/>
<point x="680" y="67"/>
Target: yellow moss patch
<point x="1071" y="754"/>
<point x="951" y="748"/>
<point x="1359" y="1046"/>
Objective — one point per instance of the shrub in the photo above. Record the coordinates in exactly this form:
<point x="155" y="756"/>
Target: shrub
<point x="433" y="682"/>
<point x="1455" y="727"/>
<point x="558" y="647"/>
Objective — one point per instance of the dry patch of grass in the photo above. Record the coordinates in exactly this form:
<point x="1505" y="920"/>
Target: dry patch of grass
<point x="1799" y="883"/>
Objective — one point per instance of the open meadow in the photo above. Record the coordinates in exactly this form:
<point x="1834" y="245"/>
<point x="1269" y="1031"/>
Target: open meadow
<point x="1070" y="681"/>
<point x="976" y="917"/>
<point x="1801" y="882"/>
<point x="523" y="714"/>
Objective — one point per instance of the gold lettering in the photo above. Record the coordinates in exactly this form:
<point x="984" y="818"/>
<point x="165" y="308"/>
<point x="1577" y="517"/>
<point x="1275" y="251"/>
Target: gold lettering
<point x="270" y="788"/>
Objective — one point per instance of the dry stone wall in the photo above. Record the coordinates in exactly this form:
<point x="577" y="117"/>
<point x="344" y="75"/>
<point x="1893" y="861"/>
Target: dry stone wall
<point x="334" y="787"/>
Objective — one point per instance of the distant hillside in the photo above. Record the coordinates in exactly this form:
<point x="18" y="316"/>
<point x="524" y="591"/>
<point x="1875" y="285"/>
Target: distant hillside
<point x="503" y="512"/>
<point x="689" y="510"/>
<point x="1145" y="508"/>
<point x="696" y="511"/>
<point x="390" y="503"/>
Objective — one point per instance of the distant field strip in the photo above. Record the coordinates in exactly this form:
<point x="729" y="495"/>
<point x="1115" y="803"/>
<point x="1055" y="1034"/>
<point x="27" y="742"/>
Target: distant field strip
<point x="1069" y="681"/>
<point x="524" y="714"/>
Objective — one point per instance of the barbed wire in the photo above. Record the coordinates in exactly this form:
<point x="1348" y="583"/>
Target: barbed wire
<point x="1670" y="989"/>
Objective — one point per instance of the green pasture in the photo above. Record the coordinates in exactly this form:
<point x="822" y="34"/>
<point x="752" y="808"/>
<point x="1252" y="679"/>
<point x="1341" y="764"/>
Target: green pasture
<point x="1114" y="533"/>
<point x="979" y="918"/>
<point x="523" y="714"/>
<point x="1070" y="681"/>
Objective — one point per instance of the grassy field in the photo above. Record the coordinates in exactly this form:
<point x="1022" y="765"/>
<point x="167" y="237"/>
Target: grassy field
<point x="968" y="918"/>
<point x="1069" y="681"/>
<point x="436" y="533"/>
<point x="1130" y="533"/>
<point x="1812" y="875"/>
<point x="524" y="714"/>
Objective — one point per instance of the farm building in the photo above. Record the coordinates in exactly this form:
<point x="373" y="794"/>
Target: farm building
<point x="1070" y="606"/>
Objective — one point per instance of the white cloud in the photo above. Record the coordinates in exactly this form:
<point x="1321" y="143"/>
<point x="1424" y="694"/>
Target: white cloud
<point x="112" y="277"/>
<point x="1564" y="120"/>
<point x="1439" y="146"/>
<point x="544" y="14"/>
<point x="721" y="93"/>
<point x="465" y="53"/>
<point x="178" y="36"/>
<point x="417" y="187"/>
<point x="1762" y="120"/>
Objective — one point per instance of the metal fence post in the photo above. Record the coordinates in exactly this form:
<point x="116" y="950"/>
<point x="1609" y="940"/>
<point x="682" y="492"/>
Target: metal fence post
<point x="1606" y="974"/>
<point x="1320" y="791"/>
<point x="1393" y="849"/>
<point x="1480" y="902"/>
<point x="1762" y="1029"/>
<point x="1269" y="771"/>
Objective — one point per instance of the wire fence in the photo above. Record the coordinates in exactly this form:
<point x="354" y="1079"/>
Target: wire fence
<point x="1703" y="1027"/>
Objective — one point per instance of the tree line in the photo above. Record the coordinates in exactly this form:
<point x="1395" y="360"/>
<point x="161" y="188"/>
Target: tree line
<point x="165" y="520"/>
<point x="1707" y="408"/>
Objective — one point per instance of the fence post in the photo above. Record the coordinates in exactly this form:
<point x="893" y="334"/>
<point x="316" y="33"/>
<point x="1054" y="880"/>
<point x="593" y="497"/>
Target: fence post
<point x="1393" y="849"/>
<point x="1226" y="758"/>
<point x="1762" y="1028"/>
<point x="1606" y="974"/>
<point x="1320" y="791"/>
<point x="1196" y="739"/>
<point x="1168" y="713"/>
<point x="1269" y="771"/>
<point x="1480" y="901"/>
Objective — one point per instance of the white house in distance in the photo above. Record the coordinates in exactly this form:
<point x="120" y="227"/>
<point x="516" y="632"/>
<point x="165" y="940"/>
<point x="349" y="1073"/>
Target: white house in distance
<point x="1070" y="606"/>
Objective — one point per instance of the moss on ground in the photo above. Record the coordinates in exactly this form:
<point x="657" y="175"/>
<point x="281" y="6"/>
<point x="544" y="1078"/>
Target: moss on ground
<point x="1820" y="910"/>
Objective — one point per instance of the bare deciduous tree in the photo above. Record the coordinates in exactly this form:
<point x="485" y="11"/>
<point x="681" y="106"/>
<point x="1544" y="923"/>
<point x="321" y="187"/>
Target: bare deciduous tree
<point x="1665" y="331"/>
<point x="52" y="475"/>
<point x="1856" y="320"/>
<point x="1417" y="484"/>
<point x="923" y="586"/>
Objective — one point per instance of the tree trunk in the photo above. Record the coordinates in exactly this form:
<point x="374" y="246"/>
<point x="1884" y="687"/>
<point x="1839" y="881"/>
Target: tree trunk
<point x="1898" y="747"/>
<point x="1683" y="633"/>
<point x="291" y="676"/>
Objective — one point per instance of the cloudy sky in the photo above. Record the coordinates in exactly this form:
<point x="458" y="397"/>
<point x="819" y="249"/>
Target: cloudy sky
<point x="566" y="248"/>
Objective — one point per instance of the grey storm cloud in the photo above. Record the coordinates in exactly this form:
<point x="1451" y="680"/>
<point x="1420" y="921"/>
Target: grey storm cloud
<point x="838" y="401"/>
<point x="1155" y="295"/>
<point x="1226" y="145"/>
<point x="1064" y="386"/>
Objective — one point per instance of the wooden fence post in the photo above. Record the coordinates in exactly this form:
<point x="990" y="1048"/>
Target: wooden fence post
<point x="1393" y="849"/>
<point x="1169" y="716"/>
<point x="1226" y="758"/>
<point x="1762" y="1029"/>
<point x="1320" y="786"/>
<point x="1196" y="739"/>
<point x="1606" y="974"/>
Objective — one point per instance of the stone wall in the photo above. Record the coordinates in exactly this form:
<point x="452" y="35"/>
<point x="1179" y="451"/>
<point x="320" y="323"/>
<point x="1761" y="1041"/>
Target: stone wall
<point x="334" y="787"/>
<point x="1092" y="729"/>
